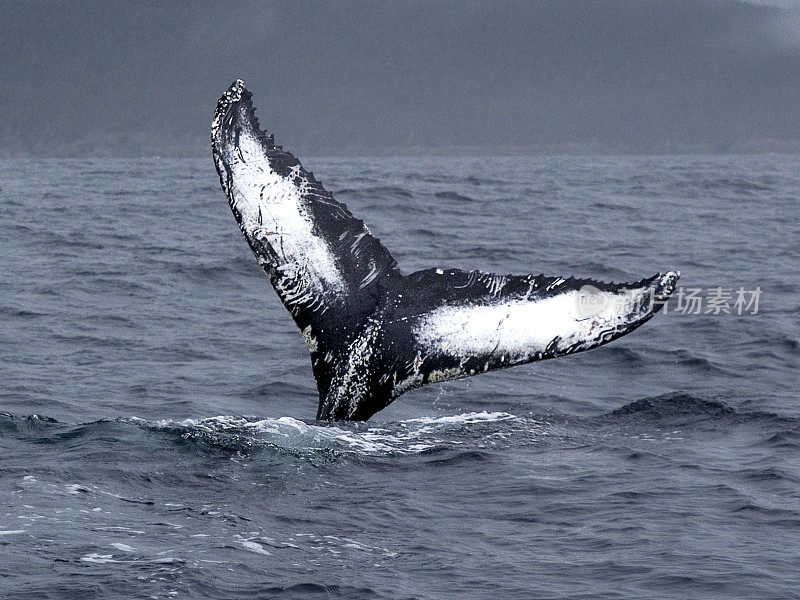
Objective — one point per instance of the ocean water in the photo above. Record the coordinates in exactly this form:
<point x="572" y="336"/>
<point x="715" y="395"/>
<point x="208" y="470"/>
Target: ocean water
<point x="157" y="436"/>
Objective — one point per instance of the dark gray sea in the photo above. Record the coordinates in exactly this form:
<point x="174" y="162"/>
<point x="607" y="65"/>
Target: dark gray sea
<point x="157" y="436"/>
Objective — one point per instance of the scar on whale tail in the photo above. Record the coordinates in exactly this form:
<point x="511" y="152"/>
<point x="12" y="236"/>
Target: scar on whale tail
<point x="374" y="332"/>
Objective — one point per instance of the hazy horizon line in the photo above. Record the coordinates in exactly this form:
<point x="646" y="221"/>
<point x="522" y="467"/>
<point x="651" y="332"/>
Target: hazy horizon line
<point x="110" y="149"/>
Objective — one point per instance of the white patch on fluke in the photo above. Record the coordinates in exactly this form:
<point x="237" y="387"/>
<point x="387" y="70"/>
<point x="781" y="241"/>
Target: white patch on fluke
<point x="272" y="211"/>
<point x="518" y="328"/>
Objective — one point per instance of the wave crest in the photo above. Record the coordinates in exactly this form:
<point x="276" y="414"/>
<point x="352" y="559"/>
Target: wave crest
<point x="411" y="436"/>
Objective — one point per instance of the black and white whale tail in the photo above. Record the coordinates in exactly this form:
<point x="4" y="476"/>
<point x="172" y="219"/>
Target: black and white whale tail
<point x="374" y="332"/>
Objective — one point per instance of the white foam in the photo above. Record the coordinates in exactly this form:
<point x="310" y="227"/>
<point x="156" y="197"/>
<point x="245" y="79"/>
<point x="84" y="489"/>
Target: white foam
<point x="410" y="436"/>
<point x="473" y="417"/>
<point x="255" y="547"/>
<point x="123" y="547"/>
<point x="98" y="558"/>
<point x="120" y="528"/>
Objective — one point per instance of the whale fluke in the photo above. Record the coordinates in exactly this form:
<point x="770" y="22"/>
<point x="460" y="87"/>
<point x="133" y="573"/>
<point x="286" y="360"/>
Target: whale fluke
<point x="372" y="331"/>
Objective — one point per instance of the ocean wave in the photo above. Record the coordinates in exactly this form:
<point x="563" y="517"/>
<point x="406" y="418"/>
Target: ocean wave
<point x="429" y="234"/>
<point x="411" y="436"/>
<point x="459" y="436"/>
<point x="480" y="181"/>
<point x="739" y="185"/>
<point x="373" y="191"/>
<point x="20" y="313"/>
<point x="450" y="195"/>
<point x="670" y="405"/>
<point x="699" y="364"/>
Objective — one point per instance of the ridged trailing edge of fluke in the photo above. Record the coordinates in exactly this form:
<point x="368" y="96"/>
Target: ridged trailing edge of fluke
<point x="374" y="332"/>
<point x="237" y="103"/>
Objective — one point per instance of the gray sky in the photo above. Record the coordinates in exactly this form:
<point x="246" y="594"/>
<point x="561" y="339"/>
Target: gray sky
<point x="366" y="77"/>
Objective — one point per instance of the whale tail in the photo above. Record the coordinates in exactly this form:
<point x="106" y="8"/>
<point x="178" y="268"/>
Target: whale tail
<point x="374" y="333"/>
<point x="440" y="325"/>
